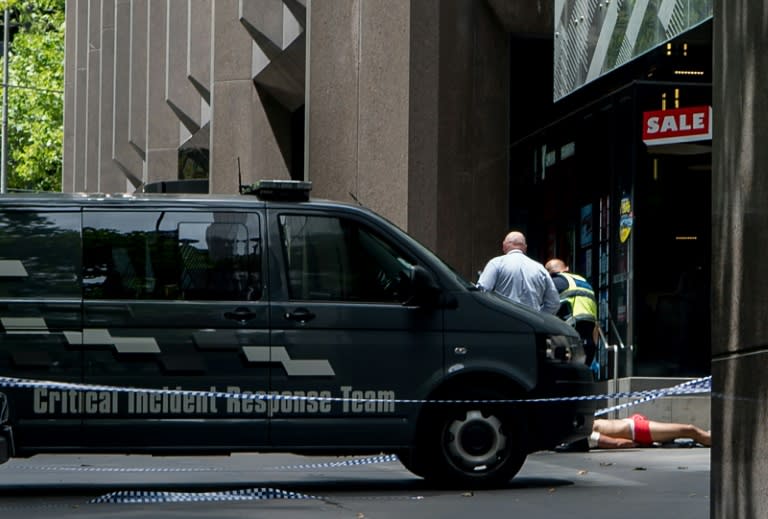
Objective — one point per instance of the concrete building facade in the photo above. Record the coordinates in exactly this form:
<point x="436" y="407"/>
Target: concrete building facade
<point x="401" y="106"/>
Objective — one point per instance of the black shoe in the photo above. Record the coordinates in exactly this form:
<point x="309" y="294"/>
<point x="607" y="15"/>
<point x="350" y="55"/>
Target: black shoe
<point x="577" y="446"/>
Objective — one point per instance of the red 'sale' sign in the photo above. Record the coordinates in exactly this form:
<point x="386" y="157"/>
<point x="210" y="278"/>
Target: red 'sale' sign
<point x="677" y="125"/>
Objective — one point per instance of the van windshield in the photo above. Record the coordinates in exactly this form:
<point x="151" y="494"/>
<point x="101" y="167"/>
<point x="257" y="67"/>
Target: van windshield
<point x="425" y="251"/>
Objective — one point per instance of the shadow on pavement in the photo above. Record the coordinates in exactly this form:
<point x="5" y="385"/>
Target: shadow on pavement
<point x="315" y="488"/>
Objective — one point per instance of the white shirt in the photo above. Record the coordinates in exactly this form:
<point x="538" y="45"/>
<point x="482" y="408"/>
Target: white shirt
<point x="519" y="278"/>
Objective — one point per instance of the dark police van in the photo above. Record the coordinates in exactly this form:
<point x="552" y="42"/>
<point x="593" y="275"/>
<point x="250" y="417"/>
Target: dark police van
<point x="345" y="335"/>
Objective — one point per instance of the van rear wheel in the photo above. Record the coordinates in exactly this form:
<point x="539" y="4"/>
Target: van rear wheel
<point x="473" y="444"/>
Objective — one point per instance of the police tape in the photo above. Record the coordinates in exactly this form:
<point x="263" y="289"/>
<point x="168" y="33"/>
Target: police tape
<point x="697" y="386"/>
<point x="150" y="497"/>
<point x="254" y="494"/>
<point x="250" y="494"/>
<point x="3" y="408"/>
<point x="351" y="462"/>
<point x="371" y="460"/>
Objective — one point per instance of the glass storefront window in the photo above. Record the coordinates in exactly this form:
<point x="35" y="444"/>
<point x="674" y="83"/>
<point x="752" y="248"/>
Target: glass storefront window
<point x="593" y="38"/>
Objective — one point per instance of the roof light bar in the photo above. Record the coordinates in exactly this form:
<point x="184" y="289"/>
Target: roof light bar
<point x="280" y="190"/>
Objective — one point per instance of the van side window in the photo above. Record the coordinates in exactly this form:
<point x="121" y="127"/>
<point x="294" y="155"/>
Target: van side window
<point x="336" y="259"/>
<point x="40" y="254"/>
<point x="172" y="255"/>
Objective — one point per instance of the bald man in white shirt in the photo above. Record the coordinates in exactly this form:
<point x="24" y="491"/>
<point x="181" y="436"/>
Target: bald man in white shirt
<point x="520" y="278"/>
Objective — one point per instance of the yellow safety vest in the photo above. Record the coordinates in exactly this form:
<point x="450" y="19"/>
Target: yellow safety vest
<point x="581" y="297"/>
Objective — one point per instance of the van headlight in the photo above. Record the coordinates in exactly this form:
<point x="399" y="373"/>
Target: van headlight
<point x="565" y="349"/>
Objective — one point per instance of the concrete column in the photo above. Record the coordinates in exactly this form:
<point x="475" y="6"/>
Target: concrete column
<point x="358" y="108"/>
<point x="70" y="114"/>
<point x="93" y="98"/>
<point x="137" y="109"/>
<point x="333" y="53"/>
<point x="81" y="95"/>
<point x="180" y="94"/>
<point x="383" y="91"/>
<point x="125" y="155"/>
<point x="110" y="178"/>
<point x="739" y="282"/>
<point x="199" y="55"/>
<point x="423" y="142"/>
<point x="473" y="149"/>
<point x="240" y="127"/>
<point x="232" y="106"/>
<point x="162" y="139"/>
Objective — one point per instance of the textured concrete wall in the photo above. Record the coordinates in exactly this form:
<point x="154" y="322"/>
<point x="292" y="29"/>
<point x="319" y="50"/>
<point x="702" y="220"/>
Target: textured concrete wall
<point x="333" y="33"/>
<point x="246" y="123"/>
<point x="408" y="113"/>
<point x="740" y="238"/>
<point x="384" y="113"/>
<point x="423" y="138"/>
<point x="145" y="78"/>
<point x="233" y="112"/>
<point x="473" y="150"/>
<point x="407" y="104"/>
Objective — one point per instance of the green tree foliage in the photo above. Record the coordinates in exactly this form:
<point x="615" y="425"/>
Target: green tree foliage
<point x="35" y="94"/>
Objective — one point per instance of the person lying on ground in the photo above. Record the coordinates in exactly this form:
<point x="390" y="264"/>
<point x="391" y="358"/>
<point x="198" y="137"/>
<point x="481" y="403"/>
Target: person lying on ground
<point x="639" y="431"/>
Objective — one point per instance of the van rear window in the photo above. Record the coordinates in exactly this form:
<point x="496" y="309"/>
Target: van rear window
<point x="40" y="254"/>
<point x="172" y="255"/>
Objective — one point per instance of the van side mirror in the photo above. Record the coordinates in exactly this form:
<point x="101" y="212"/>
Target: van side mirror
<point x="424" y="290"/>
<point x="565" y="311"/>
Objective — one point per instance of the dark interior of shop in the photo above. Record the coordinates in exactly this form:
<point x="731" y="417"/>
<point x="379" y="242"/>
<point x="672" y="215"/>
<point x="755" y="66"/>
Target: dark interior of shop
<point x="577" y="161"/>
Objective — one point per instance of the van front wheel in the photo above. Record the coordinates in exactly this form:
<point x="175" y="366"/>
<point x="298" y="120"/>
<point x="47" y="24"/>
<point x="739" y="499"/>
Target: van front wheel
<point x="478" y="445"/>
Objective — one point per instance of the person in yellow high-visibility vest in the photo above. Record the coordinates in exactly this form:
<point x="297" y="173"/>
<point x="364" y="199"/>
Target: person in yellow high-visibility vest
<point x="579" y="295"/>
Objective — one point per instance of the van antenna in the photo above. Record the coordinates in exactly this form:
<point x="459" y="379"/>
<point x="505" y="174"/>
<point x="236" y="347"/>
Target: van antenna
<point x="240" y="185"/>
<point x="355" y="198"/>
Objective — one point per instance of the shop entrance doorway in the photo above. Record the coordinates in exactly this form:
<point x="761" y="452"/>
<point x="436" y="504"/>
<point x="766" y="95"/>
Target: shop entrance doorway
<point x="672" y="265"/>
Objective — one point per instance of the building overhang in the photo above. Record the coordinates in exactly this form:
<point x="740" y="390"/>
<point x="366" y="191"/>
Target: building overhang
<point x="532" y="18"/>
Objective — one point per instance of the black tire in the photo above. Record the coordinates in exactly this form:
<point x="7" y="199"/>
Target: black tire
<point x="476" y="445"/>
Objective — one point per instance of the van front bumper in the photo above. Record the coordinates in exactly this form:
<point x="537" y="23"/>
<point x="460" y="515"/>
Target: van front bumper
<point x="555" y="421"/>
<point x="5" y="443"/>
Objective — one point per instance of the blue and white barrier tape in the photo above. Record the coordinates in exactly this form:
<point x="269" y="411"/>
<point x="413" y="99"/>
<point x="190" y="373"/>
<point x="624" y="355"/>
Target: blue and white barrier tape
<point x="351" y="462"/>
<point x="150" y="497"/>
<point x="125" y="470"/>
<point x="698" y="386"/>
<point x="145" y="497"/>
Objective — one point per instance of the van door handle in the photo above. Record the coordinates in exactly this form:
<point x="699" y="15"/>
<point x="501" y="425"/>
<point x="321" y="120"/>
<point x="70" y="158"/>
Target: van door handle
<point x="300" y="314"/>
<point x="240" y="314"/>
